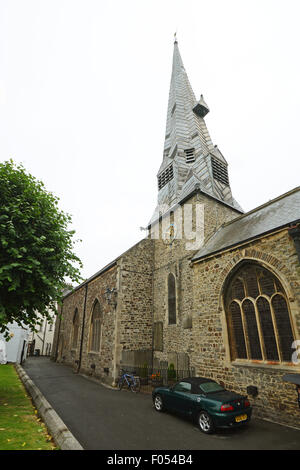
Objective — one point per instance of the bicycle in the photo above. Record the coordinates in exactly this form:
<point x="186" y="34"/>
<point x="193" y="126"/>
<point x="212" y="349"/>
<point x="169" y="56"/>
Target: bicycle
<point x="133" y="383"/>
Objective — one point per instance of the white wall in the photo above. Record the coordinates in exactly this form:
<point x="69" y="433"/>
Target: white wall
<point x="44" y="336"/>
<point x="14" y="346"/>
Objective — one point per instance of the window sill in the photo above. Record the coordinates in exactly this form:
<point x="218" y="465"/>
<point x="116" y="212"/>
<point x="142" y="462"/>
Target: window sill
<point x="269" y="365"/>
<point x="93" y="353"/>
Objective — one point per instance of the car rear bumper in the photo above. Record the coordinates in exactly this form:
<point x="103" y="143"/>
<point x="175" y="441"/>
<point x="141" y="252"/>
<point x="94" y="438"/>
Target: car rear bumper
<point x="228" y="420"/>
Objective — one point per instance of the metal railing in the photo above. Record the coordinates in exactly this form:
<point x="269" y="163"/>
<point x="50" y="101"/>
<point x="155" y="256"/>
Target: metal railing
<point x="152" y="377"/>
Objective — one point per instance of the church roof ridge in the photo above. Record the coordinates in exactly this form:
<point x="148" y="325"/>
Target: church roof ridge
<point x="274" y="215"/>
<point x="104" y="269"/>
<point x="256" y="209"/>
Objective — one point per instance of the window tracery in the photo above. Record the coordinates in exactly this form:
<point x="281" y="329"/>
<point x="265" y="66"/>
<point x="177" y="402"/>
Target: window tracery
<point x="258" y="318"/>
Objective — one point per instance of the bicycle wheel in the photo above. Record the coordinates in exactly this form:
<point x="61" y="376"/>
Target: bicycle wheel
<point x="120" y="384"/>
<point x="135" y="385"/>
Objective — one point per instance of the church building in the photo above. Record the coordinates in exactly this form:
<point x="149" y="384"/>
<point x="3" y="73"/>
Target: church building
<point x="210" y="289"/>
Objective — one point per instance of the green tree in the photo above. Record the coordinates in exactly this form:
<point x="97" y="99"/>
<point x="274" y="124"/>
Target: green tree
<point x="36" y="248"/>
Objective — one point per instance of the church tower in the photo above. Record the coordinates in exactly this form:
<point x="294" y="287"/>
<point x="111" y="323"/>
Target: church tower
<point x="190" y="159"/>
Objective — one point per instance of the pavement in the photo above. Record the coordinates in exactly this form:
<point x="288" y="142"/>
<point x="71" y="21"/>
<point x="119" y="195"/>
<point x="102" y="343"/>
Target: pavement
<point x="62" y="436"/>
<point x="102" y="418"/>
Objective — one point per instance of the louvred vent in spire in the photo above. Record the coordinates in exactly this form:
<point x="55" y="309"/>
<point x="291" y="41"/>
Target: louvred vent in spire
<point x="189" y="155"/>
<point x="220" y="171"/>
<point x="165" y="177"/>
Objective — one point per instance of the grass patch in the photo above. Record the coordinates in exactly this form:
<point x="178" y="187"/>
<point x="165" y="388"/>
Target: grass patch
<point x="20" y="426"/>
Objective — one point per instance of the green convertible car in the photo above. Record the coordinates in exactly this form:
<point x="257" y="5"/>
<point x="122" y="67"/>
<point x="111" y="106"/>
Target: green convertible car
<point x="204" y="400"/>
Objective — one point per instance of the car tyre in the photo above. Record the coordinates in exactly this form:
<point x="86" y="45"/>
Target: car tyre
<point x="205" y="422"/>
<point x="158" y="403"/>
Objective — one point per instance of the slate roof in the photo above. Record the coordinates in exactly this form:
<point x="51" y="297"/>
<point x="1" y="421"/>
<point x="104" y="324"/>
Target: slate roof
<point x="182" y="122"/>
<point x="67" y="292"/>
<point x="188" y="145"/>
<point x="275" y="214"/>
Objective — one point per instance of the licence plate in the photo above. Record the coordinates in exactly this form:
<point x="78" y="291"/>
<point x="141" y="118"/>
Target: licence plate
<point x="240" y="418"/>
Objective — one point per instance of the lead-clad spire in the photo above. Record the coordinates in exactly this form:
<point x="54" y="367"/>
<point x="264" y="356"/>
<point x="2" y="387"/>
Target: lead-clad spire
<point x="189" y="156"/>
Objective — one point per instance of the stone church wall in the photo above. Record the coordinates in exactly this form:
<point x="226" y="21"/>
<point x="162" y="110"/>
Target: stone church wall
<point x="276" y="399"/>
<point x="102" y="362"/>
<point x="135" y="320"/>
<point x="178" y="343"/>
<point x="61" y="350"/>
<point x="126" y="332"/>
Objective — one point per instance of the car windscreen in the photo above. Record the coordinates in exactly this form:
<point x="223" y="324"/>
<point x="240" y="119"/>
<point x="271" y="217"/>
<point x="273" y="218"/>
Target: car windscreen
<point x="210" y="387"/>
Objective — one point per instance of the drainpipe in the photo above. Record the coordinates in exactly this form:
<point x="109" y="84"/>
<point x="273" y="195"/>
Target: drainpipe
<point x="152" y="308"/>
<point x="57" y="339"/>
<point x="44" y="336"/>
<point x="117" y="352"/>
<point x="32" y="343"/>
<point x="82" y="330"/>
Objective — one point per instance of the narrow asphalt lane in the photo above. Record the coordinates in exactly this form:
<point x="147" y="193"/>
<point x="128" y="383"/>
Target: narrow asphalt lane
<point x="101" y="418"/>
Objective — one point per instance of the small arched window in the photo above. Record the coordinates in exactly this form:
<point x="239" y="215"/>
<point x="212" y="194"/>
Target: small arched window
<point x="171" y="299"/>
<point x="258" y="318"/>
<point x="96" y="323"/>
<point x="75" y="329"/>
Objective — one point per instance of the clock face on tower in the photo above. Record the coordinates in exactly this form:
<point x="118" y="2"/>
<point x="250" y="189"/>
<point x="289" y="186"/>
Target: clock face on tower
<point x="169" y="234"/>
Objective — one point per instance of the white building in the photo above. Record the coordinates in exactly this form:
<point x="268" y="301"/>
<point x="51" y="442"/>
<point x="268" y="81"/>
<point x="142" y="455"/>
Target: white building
<point x="14" y="350"/>
<point x="25" y="342"/>
<point x="40" y="341"/>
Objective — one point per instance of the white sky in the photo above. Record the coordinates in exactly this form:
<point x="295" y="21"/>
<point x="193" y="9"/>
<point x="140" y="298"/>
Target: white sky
<point x="83" y="100"/>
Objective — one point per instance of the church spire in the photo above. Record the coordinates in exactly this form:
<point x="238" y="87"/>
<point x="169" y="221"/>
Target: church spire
<point x="189" y="156"/>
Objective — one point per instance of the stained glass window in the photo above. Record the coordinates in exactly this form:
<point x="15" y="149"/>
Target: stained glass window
<point x="96" y="327"/>
<point x="258" y="319"/>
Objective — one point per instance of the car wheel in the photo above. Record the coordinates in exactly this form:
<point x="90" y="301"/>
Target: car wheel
<point x="158" y="403"/>
<point x="205" y="422"/>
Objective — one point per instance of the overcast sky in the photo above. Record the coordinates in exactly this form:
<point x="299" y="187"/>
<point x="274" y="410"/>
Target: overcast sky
<point x="83" y="100"/>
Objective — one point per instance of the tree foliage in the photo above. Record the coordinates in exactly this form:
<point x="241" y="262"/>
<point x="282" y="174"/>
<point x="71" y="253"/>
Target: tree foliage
<point x="36" y="248"/>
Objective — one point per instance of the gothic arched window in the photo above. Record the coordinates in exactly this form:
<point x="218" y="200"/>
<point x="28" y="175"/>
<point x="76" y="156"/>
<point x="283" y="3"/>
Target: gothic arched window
<point x="75" y="329"/>
<point x="257" y="314"/>
<point x="171" y="299"/>
<point x="96" y="323"/>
